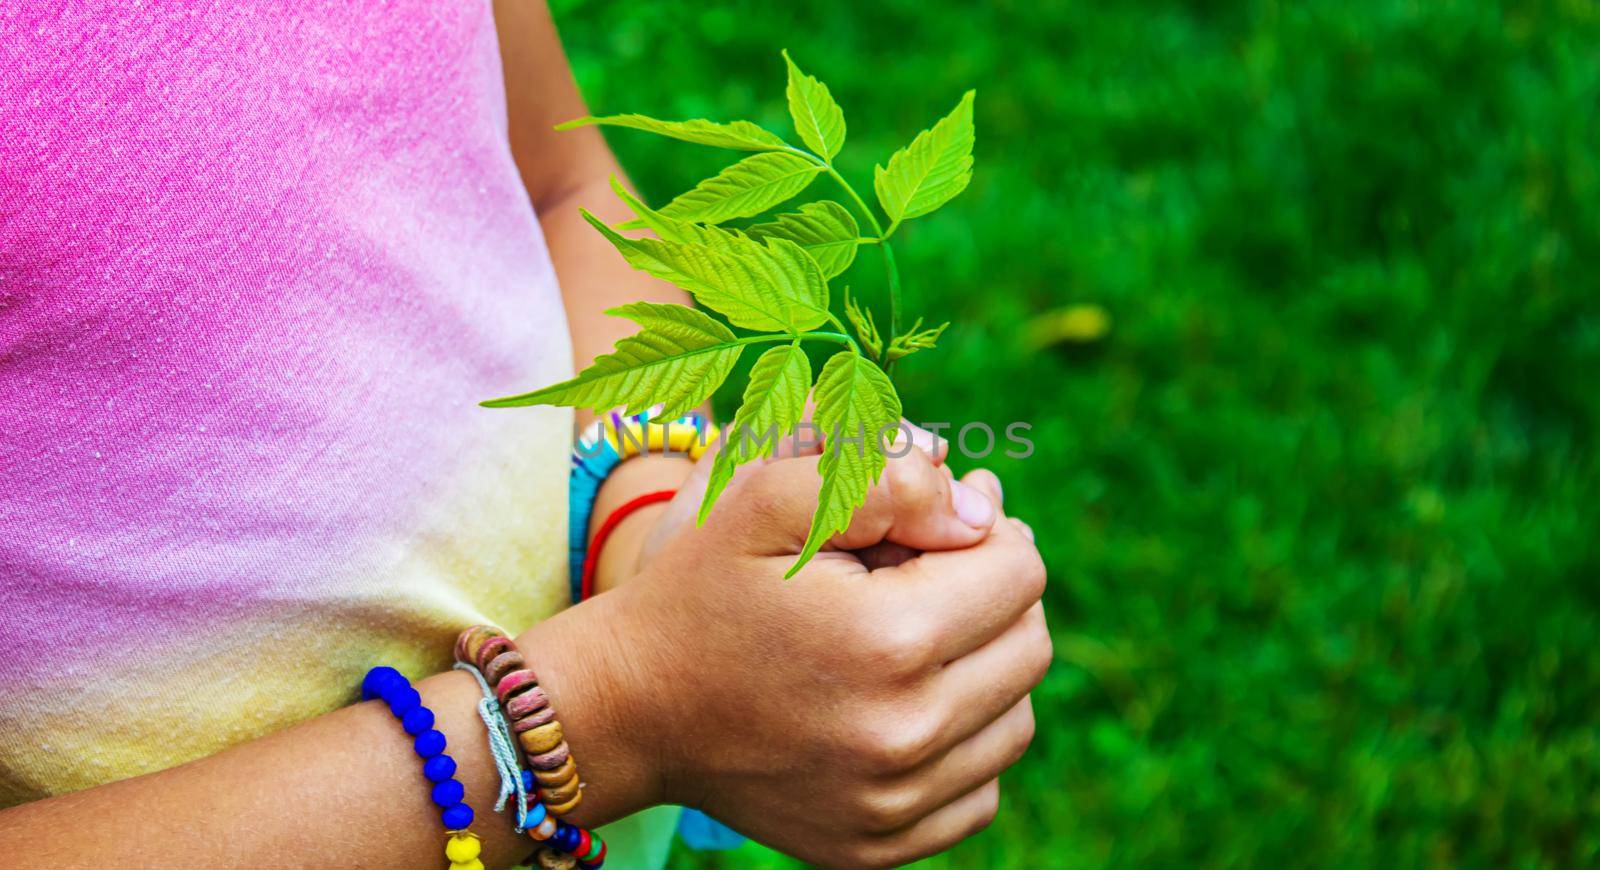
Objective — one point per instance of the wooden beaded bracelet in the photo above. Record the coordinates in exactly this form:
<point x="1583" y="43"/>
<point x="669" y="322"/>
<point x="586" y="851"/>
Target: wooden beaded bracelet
<point x="405" y="703"/>
<point x="554" y="775"/>
<point x="533" y="719"/>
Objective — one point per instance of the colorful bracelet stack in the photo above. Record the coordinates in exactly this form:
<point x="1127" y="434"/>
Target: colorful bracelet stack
<point x="603" y="446"/>
<point x="462" y="847"/>
<point x="554" y="777"/>
<point x="600" y="449"/>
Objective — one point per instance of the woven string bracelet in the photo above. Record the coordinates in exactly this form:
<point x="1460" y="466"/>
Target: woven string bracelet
<point x="487" y="650"/>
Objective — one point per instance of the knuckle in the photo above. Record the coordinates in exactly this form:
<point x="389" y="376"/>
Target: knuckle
<point x="762" y="494"/>
<point x="1041" y="655"/>
<point x="900" y="647"/>
<point x="911" y="486"/>
<point x="988" y="807"/>
<point x="884" y="810"/>
<point x="1028" y="568"/>
<point x="1037" y="572"/>
<point x="868" y="856"/>
<point x="1023" y="738"/>
<point x="896" y="744"/>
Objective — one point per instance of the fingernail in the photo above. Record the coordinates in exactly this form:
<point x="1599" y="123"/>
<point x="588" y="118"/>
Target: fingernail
<point x="1026" y="529"/>
<point x="972" y="506"/>
<point x="922" y="438"/>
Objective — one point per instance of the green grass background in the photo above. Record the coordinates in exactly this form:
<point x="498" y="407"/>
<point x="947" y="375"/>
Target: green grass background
<point x="1320" y="509"/>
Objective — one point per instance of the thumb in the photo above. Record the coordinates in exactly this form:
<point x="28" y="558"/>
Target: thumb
<point x="916" y="505"/>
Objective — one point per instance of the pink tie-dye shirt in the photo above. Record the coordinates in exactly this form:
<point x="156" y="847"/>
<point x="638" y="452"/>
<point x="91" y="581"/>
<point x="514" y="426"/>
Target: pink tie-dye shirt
<point x="258" y="263"/>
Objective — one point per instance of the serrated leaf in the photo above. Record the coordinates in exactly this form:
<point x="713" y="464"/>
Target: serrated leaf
<point x="745" y="189"/>
<point x="817" y="118"/>
<point x="855" y="399"/>
<point x="774" y="400"/>
<point x="771" y="287"/>
<point x="932" y="170"/>
<point x="825" y="229"/>
<point x="672" y="230"/>
<point x="793" y="274"/>
<point x="737" y="135"/>
<point x="678" y="359"/>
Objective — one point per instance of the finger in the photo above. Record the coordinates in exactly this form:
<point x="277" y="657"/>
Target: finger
<point x="938" y="449"/>
<point x="986" y="682"/>
<point x="890" y="552"/>
<point x="964" y="767"/>
<point x="808" y="440"/>
<point x="989" y="482"/>
<point x="937" y="831"/>
<point x="911" y="504"/>
<point x="915" y="506"/>
<point x="965" y="598"/>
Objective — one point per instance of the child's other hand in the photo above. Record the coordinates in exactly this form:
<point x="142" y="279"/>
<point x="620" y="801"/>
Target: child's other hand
<point x="850" y="715"/>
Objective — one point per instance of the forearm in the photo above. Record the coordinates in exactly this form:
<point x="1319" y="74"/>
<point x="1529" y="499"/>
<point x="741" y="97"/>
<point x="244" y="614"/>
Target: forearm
<point x="563" y="171"/>
<point x="593" y="276"/>
<point x="346" y="789"/>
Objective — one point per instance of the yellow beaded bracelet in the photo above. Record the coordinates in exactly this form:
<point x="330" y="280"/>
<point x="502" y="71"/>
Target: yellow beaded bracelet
<point x="462" y="851"/>
<point x="631" y="436"/>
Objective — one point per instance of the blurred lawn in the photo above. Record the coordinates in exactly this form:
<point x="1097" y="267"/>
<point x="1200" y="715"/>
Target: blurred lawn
<point x="1321" y="508"/>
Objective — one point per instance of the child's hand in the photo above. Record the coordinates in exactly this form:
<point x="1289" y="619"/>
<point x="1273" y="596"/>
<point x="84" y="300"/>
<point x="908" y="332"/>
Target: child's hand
<point x="846" y="716"/>
<point x="680" y="513"/>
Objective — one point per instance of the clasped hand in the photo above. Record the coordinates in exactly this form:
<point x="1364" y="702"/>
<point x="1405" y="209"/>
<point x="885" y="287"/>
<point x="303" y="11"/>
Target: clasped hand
<point x="860" y="713"/>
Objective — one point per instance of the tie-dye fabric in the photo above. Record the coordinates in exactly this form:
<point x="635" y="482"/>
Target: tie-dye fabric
<point x="257" y="265"/>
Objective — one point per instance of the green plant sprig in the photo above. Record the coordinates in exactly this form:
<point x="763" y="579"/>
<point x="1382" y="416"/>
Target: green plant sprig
<point x="771" y="278"/>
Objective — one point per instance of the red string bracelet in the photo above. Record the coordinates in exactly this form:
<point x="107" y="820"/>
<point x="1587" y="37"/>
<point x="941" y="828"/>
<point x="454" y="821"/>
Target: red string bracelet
<point x="592" y="558"/>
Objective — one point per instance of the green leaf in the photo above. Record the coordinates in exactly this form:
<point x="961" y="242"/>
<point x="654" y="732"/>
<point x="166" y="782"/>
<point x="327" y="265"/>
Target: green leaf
<point x="817" y="118"/>
<point x="774" y="401"/>
<point x="855" y="399"/>
<point x="737" y="135"/>
<point x="825" y="229"/>
<point x="745" y="189"/>
<point x="931" y="170"/>
<point x="916" y="338"/>
<point x="772" y="287"/>
<point x="791" y="273"/>
<point x="862" y="321"/>
<point x="672" y="230"/>
<point x="678" y="359"/>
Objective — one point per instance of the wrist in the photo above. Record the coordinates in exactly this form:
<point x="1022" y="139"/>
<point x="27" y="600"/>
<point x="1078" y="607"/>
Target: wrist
<point x="603" y="705"/>
<point x="619" y="558"/>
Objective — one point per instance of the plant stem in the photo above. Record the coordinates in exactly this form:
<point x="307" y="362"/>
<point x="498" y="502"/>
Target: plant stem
<point x="894" y="303"/>
<point x="890" y="269"/>
<point x="841" y="337"/>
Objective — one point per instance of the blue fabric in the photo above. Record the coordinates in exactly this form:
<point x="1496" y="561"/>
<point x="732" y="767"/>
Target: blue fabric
<point x="705" y="834"/>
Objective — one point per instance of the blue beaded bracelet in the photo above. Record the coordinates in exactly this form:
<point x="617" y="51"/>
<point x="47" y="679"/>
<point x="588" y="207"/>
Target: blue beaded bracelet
<point x="428" y="742"/>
